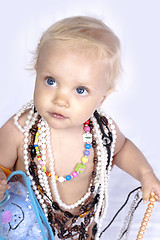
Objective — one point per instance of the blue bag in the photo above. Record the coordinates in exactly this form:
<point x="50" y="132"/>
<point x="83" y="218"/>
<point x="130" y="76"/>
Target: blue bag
<point x="21" y="216"/>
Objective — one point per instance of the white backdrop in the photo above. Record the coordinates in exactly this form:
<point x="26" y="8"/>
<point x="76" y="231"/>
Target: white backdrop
<point x="135" y="104"/>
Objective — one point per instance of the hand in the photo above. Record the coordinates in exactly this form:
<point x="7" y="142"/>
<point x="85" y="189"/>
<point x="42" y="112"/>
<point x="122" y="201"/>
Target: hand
<point x="3" y="184"/>
<point x="150" y="183"/>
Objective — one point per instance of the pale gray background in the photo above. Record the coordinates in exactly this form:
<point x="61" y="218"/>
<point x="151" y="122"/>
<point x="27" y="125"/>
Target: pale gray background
<point x="135" y="104"/>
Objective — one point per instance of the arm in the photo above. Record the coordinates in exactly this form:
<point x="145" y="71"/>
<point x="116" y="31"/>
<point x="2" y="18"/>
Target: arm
<point x="9" y="144"/>
<point x="130" y="159"/>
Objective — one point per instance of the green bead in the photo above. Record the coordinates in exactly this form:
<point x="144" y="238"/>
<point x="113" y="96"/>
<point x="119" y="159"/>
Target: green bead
<point x="80" y="167"/>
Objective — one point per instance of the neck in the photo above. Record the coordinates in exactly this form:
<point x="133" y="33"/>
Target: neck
<point x="68" y="131"/>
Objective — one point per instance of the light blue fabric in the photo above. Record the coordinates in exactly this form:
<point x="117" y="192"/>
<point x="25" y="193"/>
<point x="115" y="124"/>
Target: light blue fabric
<point x="21" y="216"/>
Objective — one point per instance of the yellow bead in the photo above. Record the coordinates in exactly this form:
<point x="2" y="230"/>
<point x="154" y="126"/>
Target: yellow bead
<point x="44" y="168"/>
<point x="84" y="159"/>
<point x="56" y="177"/>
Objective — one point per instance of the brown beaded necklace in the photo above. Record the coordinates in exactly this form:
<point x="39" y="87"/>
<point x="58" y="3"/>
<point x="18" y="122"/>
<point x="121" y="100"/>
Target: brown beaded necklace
<point x="65" y="223"/>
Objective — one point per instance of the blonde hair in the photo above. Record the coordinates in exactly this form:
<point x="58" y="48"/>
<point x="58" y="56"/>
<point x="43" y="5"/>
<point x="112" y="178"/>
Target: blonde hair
<point x="75" y="32"/>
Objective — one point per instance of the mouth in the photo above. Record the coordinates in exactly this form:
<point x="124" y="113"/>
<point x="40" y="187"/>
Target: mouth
<point x="57" y="115"/>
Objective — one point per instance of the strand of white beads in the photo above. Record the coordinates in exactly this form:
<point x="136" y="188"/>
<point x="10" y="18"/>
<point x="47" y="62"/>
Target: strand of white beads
<point x="42" y="143"/>
<point x="29" y="118"/>
<point x="54" y="184"/>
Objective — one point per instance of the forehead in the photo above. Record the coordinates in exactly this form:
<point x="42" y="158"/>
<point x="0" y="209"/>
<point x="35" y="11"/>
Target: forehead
<point x="75" y="58"/>
<point x="85" y="49"/>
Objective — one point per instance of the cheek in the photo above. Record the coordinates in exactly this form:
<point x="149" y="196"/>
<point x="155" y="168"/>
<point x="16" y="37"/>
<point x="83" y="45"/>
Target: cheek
<point x="38" y="98"/>
<point x="39" y="92"/>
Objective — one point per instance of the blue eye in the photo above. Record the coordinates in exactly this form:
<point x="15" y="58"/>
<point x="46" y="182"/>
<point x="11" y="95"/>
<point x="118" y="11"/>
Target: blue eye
<point x="82" y="91"/>
<point x="50" y="81"/>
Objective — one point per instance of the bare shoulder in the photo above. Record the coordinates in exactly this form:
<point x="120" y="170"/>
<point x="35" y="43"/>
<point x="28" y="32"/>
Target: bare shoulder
<point x="120" y="141"/>
<point x="10" y="140"/>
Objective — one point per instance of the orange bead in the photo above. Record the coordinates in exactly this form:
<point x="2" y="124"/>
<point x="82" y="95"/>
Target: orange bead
<point x="40" y="189"/>
<point x="149" y="210"/>
<point x="143" y="228"/>
<point x="144" y="224"/>
<point x="147" y="214"/>
<point x="150" y="205"/>
<point x="83" y="214"/>
<point x="145" y="219"/>
<point x="152" y="194"/>
<point x="140" y="237"/>
<point x="152" y="199"/>
<point x="141" y="232"/>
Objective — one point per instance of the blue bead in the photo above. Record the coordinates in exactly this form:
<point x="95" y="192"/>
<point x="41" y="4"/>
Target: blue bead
<point x="68" y="177"/>
<point x="88" y="146"/>
<point x="86" y="153"/>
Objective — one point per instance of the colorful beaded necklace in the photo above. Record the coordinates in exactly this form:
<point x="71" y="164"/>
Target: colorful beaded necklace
<point x="80" y="167"/>
<point x="105" y="142"/>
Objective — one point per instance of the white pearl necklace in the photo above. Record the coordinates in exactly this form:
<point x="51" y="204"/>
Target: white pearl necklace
<point x="53" y="182"/>
<point x="100" y="181"/>
<point x="30" y="119"/>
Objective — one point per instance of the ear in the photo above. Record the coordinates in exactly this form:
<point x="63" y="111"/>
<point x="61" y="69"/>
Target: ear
<point x="105" y="96"/>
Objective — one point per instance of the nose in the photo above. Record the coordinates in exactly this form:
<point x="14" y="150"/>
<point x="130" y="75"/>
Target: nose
<point x="61" y="99"/>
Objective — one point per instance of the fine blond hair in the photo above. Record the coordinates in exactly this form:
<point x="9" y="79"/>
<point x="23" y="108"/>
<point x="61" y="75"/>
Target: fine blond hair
<point x="83" y="32"/>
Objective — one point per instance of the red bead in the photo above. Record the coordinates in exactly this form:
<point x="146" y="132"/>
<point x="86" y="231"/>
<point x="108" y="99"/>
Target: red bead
<point x="87" y="122"/>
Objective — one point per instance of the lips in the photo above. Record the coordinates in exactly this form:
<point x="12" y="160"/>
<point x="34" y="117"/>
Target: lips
<point x="57" y="115"/>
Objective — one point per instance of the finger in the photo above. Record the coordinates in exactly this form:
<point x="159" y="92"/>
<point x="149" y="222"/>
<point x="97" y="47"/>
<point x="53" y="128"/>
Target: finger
<point x="4" y="187"/>
<point x="157" y="197"/>
<point x="3" y="181"/>
<point x="145" y="196"/>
